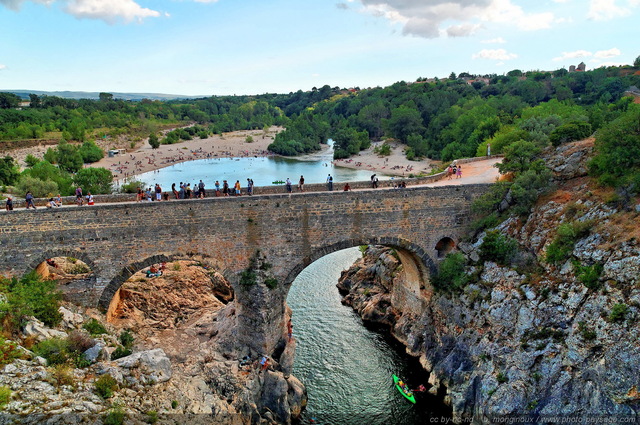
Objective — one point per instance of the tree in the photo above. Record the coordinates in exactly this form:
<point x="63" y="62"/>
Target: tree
<point x="518" y="157"/>
<point x="636" y="63"/>
<point x="576" y="130"/>
<point x="90" y="152"/>
<point x="68" y="157"/>
<point x="34" y="101"/>
<point x="105" y="97"/>
<point x="8" y="100"/>
<point x="94" y="180"/>
<point x="8" y="170"/>
<point x="452" y="76"/>
<point x="403" y="122"/>
<point x="46" y="171"/>
<point x="154" y="142"/>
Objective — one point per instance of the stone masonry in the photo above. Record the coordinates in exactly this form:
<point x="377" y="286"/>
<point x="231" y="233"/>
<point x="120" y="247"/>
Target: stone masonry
<point x="288" y="231"/>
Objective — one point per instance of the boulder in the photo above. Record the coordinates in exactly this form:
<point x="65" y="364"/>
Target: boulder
<point x="153" y="366"/>
<point x="37" y="329"/>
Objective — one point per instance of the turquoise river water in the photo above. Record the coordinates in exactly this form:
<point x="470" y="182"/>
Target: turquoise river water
<point x="345" y="366"/>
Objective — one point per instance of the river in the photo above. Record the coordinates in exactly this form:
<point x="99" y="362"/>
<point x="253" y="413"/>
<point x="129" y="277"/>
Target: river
<point x="263" y="170"/>
<point x="345" y="366"/>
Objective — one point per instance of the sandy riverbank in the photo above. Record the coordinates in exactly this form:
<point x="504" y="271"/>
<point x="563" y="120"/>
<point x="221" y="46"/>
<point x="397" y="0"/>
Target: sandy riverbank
<point x="230" y="145"/>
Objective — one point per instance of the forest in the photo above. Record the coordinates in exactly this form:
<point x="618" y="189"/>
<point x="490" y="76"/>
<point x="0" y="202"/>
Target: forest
<point x="440" y="119"/>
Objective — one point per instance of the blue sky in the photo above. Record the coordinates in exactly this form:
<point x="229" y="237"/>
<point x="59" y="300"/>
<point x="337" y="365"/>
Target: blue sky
<point x="220" y="47"/>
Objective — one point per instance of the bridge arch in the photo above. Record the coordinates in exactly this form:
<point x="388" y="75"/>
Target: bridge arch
<point x="58" y="252"/>
<point x="114" y="285"/>
<point x="419" y="256"/>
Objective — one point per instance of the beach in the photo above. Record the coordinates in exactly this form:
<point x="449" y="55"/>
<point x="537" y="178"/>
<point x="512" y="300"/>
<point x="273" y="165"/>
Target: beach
<point x="235" y="144"/>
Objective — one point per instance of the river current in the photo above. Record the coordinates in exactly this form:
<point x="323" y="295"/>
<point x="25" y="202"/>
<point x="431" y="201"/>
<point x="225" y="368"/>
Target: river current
<point x="345" y="366"/>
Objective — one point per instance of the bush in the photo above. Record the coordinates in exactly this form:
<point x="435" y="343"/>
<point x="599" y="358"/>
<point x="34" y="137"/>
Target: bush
<point x="589" y="276"/>
<point x="385" y="150"/>
<point x="498" y="248"/>
<point x="94" y="180"/>
<point x="116" y="416"/>
<point x="586" y="333"/>
<point x="55" y="351"/>
<point x="94" y="327"/>
<point x="502" y="378"/>
<point x="451" y="273"/>
<point x="576" y="130"/>
<point x="271" y="282"/>
<point x="120" y="352"/>
<point x="5" y="396"/>
<point x="132" y="186"/>
<point x="31" y="160"/>
<point x="105" y="386"/>
<point x="618" y="313"/>
<point x="62" y="375"/>
<point x="39" y="188"/>
<point x="560" y="249"/>
<point x="8" y="351"/>
<point x="29" y="296"/>
<point x="152" y="417"/>
<point x="79" y="342"/>
<point x="90" y="152"/>
<point x="126" y="339"/>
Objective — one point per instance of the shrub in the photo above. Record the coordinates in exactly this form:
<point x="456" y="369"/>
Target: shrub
<point x="174" y="404"/>
<point x="248" y="278"/>
<point x="31" y="160"/>
<point x="120" y="352"/>
<point x="90" y="152"/>
<point x="8" y="351"/>
<point x="451" y="273"/>
<point x="498" y="248"/>
<point x="152" y="417"/>
<point x="5" y="396"/>
<point x="29" y="296"/>
<point x="586" y="333"/>
<point x="385" y="150"/>
<point x="79" y="342"/>
<point x="132" y="186"/>
<point x="618" y="313"/>
<point x="126" y="339"/>
<point x="54" y="350"/>
<point x="560" y="249"/>
<point x="39" y="188"/>
<point x="105" y="386"/>
<point x="116" y="416"/>
<point x="94" y="327"/>
<point x="502" y="378"/>
<point x="589" y="276"/>
<point x="62" y="375"/>
<point x="271" y="282"/>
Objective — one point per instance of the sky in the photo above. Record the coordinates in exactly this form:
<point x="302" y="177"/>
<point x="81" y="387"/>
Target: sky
<point x="226" y="47"/>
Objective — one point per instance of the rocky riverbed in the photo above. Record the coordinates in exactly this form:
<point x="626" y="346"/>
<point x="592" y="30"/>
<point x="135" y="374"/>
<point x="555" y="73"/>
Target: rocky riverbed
<point x="532" y="338"/>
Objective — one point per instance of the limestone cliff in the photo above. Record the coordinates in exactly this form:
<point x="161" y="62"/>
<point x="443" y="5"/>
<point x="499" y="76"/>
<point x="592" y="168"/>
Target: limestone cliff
<point x="534" y="338"/>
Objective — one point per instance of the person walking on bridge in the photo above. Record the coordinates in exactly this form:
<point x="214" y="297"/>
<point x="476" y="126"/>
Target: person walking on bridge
<point x="301" y="184"/>
<point x="329" y="183"/>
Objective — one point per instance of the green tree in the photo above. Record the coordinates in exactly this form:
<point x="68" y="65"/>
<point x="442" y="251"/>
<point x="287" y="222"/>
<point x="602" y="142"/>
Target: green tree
<point x="68" y="157"/>
<point x="404" y="121"/>
<point x="518" y="157"/>
<point x="154" y="142"/>
<point x="8" y="100"/>
<point x="90" y="152"/>
<point x="39" y="188"/>
<point x="9" y="172"/>
<point x="636" y="63"/>
<point x="94" y="180"/>
<point x="47" y="172"/>
<point x="617" y="159"/>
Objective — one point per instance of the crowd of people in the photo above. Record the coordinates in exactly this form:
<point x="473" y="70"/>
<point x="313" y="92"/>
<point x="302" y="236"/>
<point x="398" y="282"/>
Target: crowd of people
<point x="186" y="190"/>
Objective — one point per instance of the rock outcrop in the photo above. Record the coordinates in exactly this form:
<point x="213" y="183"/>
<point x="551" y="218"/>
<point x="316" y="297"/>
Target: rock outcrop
<point x="534" y="338"/>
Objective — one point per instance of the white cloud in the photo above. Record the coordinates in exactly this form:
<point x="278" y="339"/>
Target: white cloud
<point x="498" y="40"/>
<point x="494" y="54"/>
<point x="574" y="55"/>
<point x="109" y="11"/>
<point x="461" y="17"/>
<point x="2" y="67"/>
<point x="463" y="30"/>
<point x="606" y="54"/>
<point x="604" y="10"/>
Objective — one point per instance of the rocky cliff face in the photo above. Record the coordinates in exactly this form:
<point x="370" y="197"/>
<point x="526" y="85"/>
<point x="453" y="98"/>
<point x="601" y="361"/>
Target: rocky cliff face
<point x="533" y="338"/>
<point x="183" y="368"/>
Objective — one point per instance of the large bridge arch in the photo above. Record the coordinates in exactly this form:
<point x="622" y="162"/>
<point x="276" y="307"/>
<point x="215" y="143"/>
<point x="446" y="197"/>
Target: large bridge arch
<point x="132" y="268"/>
<point x="416" y="253"/>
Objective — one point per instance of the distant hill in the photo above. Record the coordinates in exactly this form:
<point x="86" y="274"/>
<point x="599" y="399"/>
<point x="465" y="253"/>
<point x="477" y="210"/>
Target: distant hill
<point x="24" y="94"/>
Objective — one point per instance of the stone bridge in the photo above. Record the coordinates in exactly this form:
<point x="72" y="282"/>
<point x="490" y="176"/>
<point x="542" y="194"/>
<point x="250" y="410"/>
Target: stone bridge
<point x="288" y="231"/>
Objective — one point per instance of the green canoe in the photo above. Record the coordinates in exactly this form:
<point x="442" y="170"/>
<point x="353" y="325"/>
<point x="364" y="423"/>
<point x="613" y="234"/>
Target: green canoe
<point x="404" y="390"/>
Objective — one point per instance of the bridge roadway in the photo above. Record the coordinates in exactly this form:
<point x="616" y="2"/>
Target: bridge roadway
<point x="287" y="232"/>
